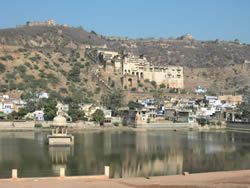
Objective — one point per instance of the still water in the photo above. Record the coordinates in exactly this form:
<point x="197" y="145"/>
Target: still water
<point x="128" y="153"/>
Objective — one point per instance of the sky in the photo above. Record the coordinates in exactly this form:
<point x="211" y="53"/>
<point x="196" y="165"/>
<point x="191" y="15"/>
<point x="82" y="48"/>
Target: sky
<point x="204" y="19"/>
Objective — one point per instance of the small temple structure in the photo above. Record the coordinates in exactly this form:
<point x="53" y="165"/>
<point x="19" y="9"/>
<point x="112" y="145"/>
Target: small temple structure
<point x="60" y="134"/>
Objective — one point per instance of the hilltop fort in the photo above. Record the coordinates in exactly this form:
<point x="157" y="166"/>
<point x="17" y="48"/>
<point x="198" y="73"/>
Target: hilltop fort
<point x="48" y="23"/>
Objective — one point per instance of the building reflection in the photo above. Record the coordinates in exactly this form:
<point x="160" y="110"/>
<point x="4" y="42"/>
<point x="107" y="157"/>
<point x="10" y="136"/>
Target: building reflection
<point x="154" y="154"/>
<point x="59" y="156"/>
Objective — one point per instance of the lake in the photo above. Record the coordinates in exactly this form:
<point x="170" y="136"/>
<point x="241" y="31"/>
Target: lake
<point x="128" y="153"/>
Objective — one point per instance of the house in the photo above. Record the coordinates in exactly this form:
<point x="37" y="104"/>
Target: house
<point x="43" y="95"/>
<point x="6" y="96"/>
<point x="170" y="114"/>
<point x="38" y="115"/>
<point x="141" y="115"/>
<point x="232" y="99"/>
<point x="200" y="90"/>
<point x="107" y="116"/>
<point x="18" y="103"/>
<point x="8" y="106"/>
<point x="62" y="109"/>
<point x="182" y="116"/>
<point x="88" y="109"/>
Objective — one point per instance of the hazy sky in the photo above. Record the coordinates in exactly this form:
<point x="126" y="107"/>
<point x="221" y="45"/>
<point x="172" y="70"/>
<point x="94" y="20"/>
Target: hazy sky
<point x="204" y="19"/>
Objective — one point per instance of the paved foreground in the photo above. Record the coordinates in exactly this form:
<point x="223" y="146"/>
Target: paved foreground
<point x="230" y="179"/>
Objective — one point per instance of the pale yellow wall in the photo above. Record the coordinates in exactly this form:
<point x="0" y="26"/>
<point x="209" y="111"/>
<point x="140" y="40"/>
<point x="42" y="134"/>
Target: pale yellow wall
<point x="172" y="76"/>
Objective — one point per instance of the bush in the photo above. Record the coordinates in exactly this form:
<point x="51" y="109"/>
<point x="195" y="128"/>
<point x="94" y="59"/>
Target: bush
<point x="204" y="74"/>
<point x="219" y="123"/>
<point x="146" y="80"/>
<point x="2" y="68"/>
<point x="133" y="89"/>
<point x="10" y="117"/>
<point x="9" y="57"/>
<point x="153" y="83"/>
<point x="202" y="122"/>
<point x="140" y="85"/>
<point x="97" y="90"/>
<point x="116" y="124"/>
<point x="172" y="90"/>
<point x="39" y="125"/>
<point x="63" y="90"/>
<point x="27" y="64"/>
<point x="36" y="67"/>
<point x="21" y="69"/>
<point x="148" y="120"/>
<point x="162" y="86"/>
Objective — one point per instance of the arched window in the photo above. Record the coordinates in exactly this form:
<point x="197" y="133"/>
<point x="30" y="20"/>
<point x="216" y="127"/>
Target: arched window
<point x="141" y="75"/>
<point x="130" y="82"/>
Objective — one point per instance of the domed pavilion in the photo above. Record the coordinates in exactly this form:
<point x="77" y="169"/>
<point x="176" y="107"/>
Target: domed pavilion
<point x="60" y="134"/>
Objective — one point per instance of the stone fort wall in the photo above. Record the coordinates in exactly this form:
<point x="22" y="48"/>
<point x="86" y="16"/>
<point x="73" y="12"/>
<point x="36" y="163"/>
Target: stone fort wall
<point x="46" y="23"/>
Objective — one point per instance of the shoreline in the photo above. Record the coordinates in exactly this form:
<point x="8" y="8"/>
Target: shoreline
<point x="90" y="126"/>
<point x="229" y="179"/>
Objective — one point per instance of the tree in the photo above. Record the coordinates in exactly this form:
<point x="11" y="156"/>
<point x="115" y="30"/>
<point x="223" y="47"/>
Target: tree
<point x="10" y="117"/>
<point x="113" y="101"/>
<point x="162" y="86"/>
<point x="153" y="83"/>
<point x="134" y="105"/>
<point x="50" y="110"/>
<point x="158" y="96"/>
<point x="22" y="112"/>
<point x="75" y="113"/>
<point x="98" y="116"/>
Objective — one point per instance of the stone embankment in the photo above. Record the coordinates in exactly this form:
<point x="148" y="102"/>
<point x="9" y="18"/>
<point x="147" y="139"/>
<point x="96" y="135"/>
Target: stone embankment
<point x="31" y="125"/>
<point x="243" y="126"/>
<point x="159" y="125"/>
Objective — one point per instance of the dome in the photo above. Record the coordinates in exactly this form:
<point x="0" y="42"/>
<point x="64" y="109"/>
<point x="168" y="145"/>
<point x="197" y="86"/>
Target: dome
<point x="59" y="121"/>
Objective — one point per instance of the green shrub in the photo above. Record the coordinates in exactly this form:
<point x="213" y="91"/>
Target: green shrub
<point x="36" y="67"/>
<point x="148" y="120"/>
<point x="9" y="57"/>
<point x="162" y="86"/>
<point x="153" y="83"/>
<point x="38" y="125"/>
<point x="116" y="124"/>
<point x="133" y="89"/>
<point x="2" y="68"/>
<point x="97" y="90"/>
<point x="219" y="123"/>
<point x="202" y="121"/>
<point x="140" y="85"/>
<point x="146" y="80"/>
<point x="27" y="64"/>
<point x="3" y="58"/>
<point x="63" y="90"/>
<point x="21" y="69"/>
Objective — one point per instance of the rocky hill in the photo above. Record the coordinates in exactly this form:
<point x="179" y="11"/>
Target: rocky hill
<point x="54" y="59"/>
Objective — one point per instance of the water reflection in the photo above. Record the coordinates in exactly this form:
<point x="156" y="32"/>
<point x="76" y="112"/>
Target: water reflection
<point x="128" y="153"/>
<point x="59" y="156"/>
